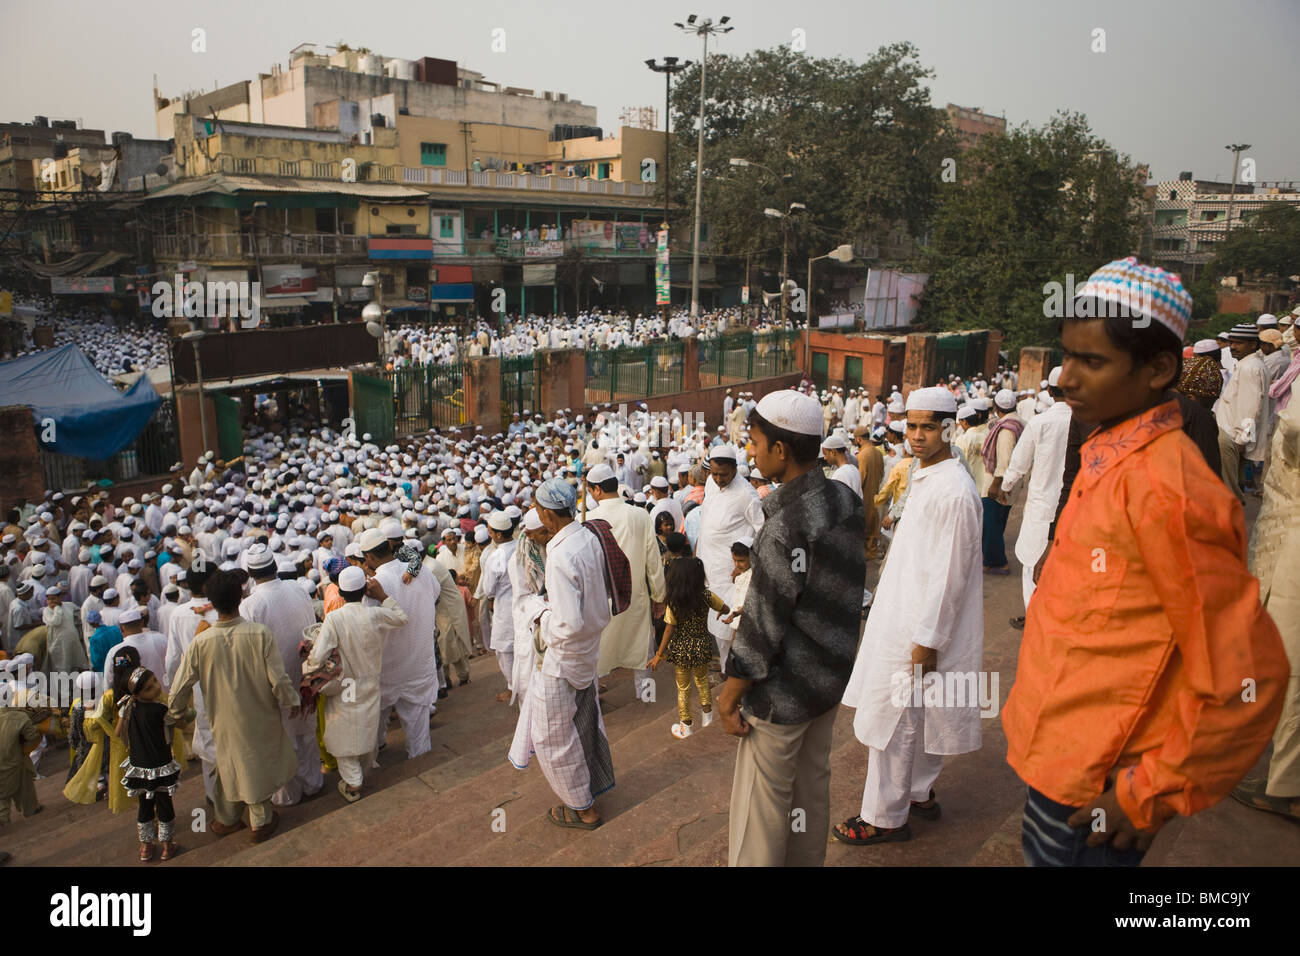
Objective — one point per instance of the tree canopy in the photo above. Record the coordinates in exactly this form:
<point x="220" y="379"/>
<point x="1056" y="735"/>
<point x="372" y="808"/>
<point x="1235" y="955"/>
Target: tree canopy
<point x="857" y="143"/>
<point x="1031" y="207"/>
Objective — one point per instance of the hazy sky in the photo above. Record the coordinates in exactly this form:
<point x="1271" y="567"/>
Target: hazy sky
<point x="1179" y="79"/>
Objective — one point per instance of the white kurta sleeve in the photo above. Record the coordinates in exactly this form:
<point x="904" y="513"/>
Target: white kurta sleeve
<point x="1022" y="458"/>
<point x="939" y="594"/>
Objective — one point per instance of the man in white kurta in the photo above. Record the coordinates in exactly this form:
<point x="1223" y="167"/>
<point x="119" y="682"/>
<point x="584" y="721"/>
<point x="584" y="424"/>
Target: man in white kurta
<point x="527" y="570"/>
<point x="496" y="587"/>
<point x="560" y="721"/>
<point x="181" y="629"/>
<point x="1243" y="408"/>
<point x="149" y="644"/>
<point x="287" y="611"/>
<point x="409" y="678"/>
<point x="626" y="640"/>
<point x="1040" y="453"/>
<point x="358" y="633"/>
<point x="928" y="614"/>
<point x="732" y="510"/>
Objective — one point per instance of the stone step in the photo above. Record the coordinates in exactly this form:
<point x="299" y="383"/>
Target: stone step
<point x="454" y="793"/>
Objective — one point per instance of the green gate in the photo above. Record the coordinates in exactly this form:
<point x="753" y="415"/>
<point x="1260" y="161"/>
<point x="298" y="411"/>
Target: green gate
<point x="852" y="371"/>
<point x="518" y="385"/>
<point x="960" y="355"/>
<point x="820" y="369"/>
<point x="230" y="434"/>
<point x="372" y="400"/>
<point x="427" y="396"/>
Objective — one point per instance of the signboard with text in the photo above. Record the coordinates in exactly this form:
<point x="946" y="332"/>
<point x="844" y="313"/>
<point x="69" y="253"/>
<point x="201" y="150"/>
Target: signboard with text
<point x="663" y="289"/>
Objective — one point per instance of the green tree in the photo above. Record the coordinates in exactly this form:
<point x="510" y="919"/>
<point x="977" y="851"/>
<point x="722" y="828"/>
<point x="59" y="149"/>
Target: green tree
<point x="1028" y="208"/>
<point x="858" y="143"/>
<point x="1267" y="247"/>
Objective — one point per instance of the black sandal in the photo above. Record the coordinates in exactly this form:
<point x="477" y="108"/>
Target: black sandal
<point x="926" y="813"/>
<point x="859" y="828"/>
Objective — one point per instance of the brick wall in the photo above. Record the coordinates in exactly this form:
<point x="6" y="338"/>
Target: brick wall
<point x="20" y="459"/>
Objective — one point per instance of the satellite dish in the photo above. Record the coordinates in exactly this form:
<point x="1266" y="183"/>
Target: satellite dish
<point x="161" y="169"/>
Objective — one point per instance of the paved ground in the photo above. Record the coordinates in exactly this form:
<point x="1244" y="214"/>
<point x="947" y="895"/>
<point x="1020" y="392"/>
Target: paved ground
<point x="463" y="804"/>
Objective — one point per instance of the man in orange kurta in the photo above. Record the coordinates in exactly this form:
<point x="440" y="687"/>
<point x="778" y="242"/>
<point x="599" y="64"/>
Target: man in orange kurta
<point x="1150" y="678"/>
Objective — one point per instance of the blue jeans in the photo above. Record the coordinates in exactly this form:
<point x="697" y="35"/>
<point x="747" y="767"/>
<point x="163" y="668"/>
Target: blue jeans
<point x="1047" y="840"/>
<point x="995" y="527"/>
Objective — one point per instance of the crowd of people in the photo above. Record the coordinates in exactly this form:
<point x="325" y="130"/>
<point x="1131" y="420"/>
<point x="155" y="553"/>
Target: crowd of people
<point x="272" y="614"/>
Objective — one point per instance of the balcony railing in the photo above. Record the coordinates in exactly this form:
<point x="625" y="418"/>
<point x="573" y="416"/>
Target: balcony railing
<point x="234" y="245"/>
<point x="430" y="176"/>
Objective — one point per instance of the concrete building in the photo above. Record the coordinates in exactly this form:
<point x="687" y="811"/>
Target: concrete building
<point x="1190" y="215"/>
<point x="971" y="124"/>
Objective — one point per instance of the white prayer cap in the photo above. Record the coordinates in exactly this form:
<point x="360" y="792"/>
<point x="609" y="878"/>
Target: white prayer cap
<point x="658" y="481"/>
<point x="1054" y="376"/>
<point x="1267" y="320"/>
<point x="450" y="531"/>
<point x="980" y="404"/>
<point x="835" y="441"/>
<point x="352" y="579"/>
<point x="372" y="538"/>
<point x="1205" y="347"/>
<point x="98" y="581"/>
<point x="725" y="453"/>
<point x="481" y="535"/>
<point x="38" y="570"/>
<point x="257" y="556"/>
<point x="353" y="550"/>
<point x="936" y="399"/>
<point x="793" y="411"/>
<point x="532" y="520"/>
<point x="600" y="473"/>
<point x="896" y="407"/>
<point x="898" y="426"/>
<point x="129" y="615"/>
<point x="499" y="521"/>
<point x="965" y="412"/>
<point x="390" y="528"/>
<point x="1005" y="399"/>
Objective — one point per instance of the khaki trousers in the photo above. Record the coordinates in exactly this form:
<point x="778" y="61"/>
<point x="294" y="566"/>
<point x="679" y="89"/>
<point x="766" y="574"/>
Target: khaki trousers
<point x="781" y="794"/>
<point x="229" y="812"/>
<point x="1284" y="765"/>
<point x="1230" y="459"/>
<point x="24" y="797"/>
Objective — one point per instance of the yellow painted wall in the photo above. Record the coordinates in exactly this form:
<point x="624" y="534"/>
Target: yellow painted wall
<point x="513" y="144"/>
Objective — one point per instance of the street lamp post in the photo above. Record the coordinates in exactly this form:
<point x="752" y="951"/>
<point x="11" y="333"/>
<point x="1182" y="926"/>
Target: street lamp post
<point x="194" y="338"/>
<point x="373" y="313"/>
<point x="1237" y="150"/>
<point x="786" y="225"/>
<point x="670" y="66"/>
<point x="842" y="253"/>
<point x="703" y="29"/>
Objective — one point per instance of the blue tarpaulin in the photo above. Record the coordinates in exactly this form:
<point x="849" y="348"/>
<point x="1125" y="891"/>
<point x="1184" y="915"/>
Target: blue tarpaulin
<point x="91" y="418"/>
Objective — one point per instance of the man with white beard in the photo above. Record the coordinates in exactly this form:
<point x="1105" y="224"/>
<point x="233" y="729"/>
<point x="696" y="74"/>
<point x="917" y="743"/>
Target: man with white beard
<point x="928" y="618"/>
<point x="287" y="611"/>
<point x="731" y="510"/>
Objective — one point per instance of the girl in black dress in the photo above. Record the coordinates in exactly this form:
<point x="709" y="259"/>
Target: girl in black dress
<point x="687" y="643"/>
<point x="150" y="773"/>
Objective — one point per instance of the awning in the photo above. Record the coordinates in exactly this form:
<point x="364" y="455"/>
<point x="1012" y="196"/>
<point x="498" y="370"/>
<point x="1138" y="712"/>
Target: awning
<point x="288" y="303"/>
<point x="232" y="185"/>
<point x="81" y="264"/>
<point x="452" y="292"/>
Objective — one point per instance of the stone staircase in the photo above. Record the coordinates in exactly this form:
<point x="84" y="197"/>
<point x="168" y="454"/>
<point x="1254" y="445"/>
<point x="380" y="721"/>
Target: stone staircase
<point x="463" y="804"/>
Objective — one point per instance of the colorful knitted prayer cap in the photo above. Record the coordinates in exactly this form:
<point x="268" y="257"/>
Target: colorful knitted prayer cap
<point x="1142" y="290"/>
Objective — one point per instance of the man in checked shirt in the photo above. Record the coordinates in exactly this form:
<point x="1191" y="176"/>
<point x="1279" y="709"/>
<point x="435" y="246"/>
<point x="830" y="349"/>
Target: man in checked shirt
<point x="798" y="637"/>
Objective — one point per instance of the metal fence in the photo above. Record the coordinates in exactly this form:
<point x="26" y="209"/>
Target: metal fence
<point x="519" y="391"/>
<point x="742" y="356"/>
<point x="153" y="452"/>
<point x="624" y="374"/>
<point x="428" y="396"/>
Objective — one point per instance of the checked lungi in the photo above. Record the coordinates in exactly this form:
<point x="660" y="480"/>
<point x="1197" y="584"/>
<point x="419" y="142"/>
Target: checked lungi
<point x="563" y="727"/>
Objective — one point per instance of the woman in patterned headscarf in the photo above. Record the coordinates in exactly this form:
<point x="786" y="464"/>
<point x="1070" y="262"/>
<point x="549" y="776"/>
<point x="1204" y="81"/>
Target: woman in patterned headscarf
<point x="1202" y="379"/>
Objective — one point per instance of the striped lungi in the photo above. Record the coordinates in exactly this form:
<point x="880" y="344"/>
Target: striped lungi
<point x="563" y="727"/>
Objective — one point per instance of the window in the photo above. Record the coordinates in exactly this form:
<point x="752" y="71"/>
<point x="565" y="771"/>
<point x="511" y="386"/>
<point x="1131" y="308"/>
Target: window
<point x="602" y="170"/>
<point x="1173" y="195"/>
<point x="324" y="220"/>
<point x="433" y="154"/>
<point x="402" y="229"/>
<point x="446" y="227"/>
